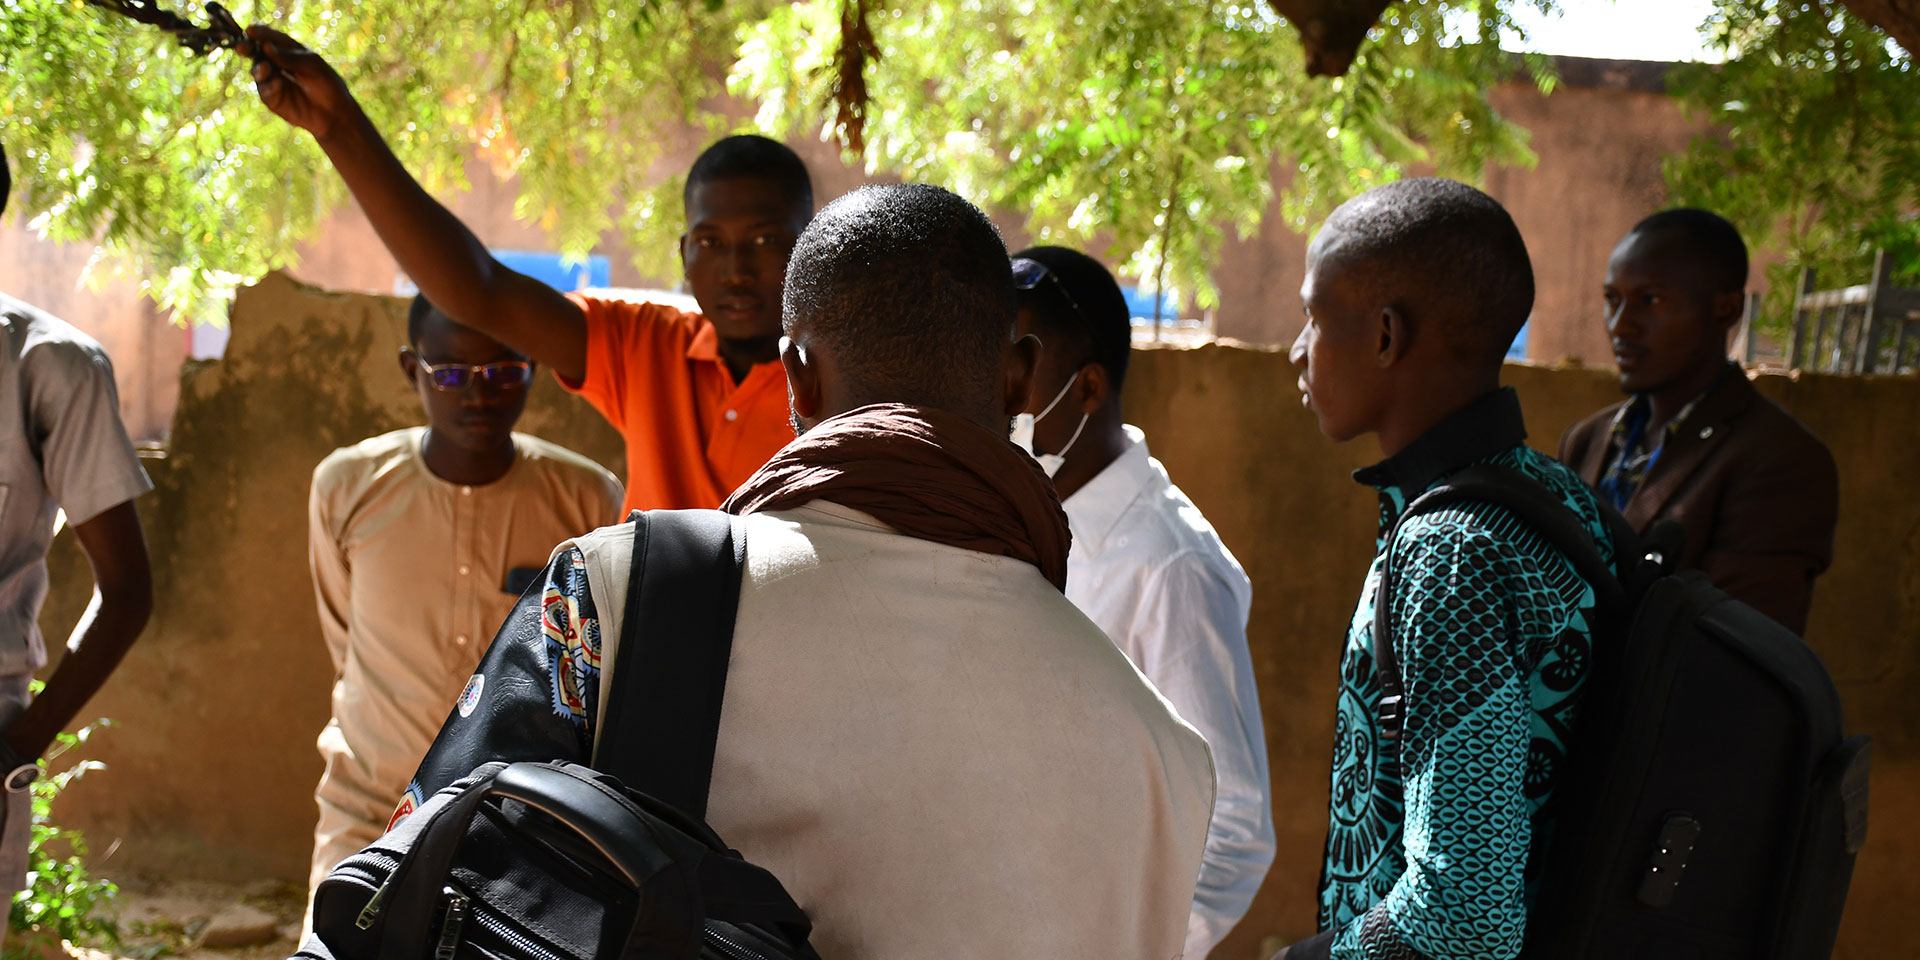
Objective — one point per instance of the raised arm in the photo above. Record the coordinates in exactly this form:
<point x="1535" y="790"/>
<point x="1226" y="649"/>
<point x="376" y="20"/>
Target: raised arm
<point x="449" y="264"/>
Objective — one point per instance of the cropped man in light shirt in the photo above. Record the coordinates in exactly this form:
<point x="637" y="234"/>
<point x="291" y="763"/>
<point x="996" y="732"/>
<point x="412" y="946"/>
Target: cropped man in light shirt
<point x="420" y="541"/>
<point x="64" y="449"/>
<point x="1145" y="565"/>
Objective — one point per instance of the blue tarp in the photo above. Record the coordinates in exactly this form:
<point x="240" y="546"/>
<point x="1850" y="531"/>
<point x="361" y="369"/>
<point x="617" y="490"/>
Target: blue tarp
<point x="548" y="269"/>
<point x="1518" y="349"/>
<point x="1140" y="304"/>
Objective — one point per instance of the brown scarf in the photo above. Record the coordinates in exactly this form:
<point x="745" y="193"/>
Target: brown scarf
<point x="926" y="473"/>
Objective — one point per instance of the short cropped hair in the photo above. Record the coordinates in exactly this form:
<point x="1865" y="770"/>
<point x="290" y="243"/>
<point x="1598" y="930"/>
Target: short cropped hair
<point x="752" y="157"/>
<point x="1443" y="251"/>
<point x="1709" y="237"/>
<point x="419" y="313"/>
<point x="1086" y="306"/>
<point x="909" y="286"/>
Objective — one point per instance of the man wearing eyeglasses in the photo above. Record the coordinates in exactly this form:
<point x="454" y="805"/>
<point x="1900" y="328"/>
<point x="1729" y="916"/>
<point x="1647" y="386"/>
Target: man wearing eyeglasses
<point x="1145" y="565"/>
<point x="420" y="540"/>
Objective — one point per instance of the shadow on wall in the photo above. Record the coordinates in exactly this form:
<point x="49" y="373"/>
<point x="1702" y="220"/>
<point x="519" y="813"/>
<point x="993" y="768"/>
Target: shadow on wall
<point x="212" y="770"/>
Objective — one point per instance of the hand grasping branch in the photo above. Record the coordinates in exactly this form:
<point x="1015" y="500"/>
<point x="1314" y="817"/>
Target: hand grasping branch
<point x="223" y="30"/>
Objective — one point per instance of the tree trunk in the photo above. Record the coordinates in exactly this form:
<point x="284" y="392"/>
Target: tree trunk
<point x="1899" y="18"/>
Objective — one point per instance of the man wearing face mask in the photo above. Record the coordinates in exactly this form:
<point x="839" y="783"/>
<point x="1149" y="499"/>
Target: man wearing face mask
<point x="1145" y="565"/>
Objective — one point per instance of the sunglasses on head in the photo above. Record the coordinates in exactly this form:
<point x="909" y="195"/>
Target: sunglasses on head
<point x="1029" y="274"/>
<point x="499" y="375"/>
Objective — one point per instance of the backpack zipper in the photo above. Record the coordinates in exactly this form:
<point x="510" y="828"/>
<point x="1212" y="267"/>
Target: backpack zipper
<point x="367" y="913"/>
<point x="373" y="903"/>
<point x="360" y="862"/>
<point x="513" y="937"/>
<point x="731" y="948"/>
<point x="451" y="926"/>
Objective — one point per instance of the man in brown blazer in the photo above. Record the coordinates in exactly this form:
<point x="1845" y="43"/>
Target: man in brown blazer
<point x="1756" y="492"/>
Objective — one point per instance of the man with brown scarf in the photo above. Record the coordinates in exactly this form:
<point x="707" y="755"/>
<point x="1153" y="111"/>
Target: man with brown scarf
<point x="922" y="738"/>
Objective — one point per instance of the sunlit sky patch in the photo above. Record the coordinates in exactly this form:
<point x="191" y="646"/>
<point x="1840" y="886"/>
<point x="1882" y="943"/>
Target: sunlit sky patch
<point x="1617" y="30"/>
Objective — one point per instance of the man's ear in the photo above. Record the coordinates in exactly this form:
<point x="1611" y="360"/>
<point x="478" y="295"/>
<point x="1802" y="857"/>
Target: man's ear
<point x="409" y="365"/>
<point x="1018" y="360"/>
<point x="1394" y="337"/>
<point x="1728" y="308"/>
<point x="1095" y="388"/>
<point x="803" y="379"/>
<point x="681" y="249"/>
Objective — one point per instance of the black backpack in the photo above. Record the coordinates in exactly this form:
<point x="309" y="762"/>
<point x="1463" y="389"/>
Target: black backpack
<point x="557" y="861"/>
<point x="1710" y="807"/>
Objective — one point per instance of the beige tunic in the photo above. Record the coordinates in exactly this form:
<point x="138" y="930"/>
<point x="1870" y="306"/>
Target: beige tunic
<point x="410" y="572"/>
<point x="937" y="754"/>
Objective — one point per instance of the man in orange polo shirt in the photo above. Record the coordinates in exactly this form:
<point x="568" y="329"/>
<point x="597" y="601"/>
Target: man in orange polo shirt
<point x="700" y="398"/>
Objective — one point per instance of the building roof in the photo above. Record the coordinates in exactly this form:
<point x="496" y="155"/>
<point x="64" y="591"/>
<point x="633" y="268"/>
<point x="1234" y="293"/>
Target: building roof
<point x="1622" y="76"/>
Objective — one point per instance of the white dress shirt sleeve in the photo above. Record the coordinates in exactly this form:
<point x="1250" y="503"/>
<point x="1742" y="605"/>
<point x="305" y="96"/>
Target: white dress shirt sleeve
<point x="1192" y="630"/>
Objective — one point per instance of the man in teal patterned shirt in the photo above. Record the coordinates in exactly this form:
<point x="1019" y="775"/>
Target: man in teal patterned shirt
<point x="1413" y="292"/>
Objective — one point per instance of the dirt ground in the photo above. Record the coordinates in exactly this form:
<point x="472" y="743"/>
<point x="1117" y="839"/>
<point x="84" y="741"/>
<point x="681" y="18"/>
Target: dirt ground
<point x="201" y="920"/>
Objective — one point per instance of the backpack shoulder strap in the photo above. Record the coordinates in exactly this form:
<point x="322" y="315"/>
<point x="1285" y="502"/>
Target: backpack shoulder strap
<point x="676" y="638"/>
<point x="1536" y="507"/>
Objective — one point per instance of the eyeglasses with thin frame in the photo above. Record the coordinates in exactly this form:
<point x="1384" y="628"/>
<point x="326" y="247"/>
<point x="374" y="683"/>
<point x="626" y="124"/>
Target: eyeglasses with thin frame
<point x="1028" y="274"/>
<point x="499" y="375"/>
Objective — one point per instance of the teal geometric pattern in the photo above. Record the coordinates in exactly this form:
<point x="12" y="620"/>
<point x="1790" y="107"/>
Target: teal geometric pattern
<point x="1494" y="641"/>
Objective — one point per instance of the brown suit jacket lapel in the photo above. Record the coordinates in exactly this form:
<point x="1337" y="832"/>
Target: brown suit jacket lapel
<point x="1599" y="445"/>
<point x="1586" y="444"/>
<point x="1704" y="429"/>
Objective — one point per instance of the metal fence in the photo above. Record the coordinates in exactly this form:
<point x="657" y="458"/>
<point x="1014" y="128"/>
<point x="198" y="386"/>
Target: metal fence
<point x="1870" y="328"/>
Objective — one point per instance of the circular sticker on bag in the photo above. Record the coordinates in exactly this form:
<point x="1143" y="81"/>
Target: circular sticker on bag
<point x="470" y="697"/>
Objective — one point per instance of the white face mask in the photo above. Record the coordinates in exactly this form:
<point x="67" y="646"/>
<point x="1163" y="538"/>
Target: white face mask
<point x="1022" y="435"/>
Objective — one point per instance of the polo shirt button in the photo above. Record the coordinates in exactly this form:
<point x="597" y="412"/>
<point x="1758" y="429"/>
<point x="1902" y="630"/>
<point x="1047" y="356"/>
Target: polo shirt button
<point x="1706" y="432"/>
<point x="464" y="569"/>
<point x="466" y="491"/>
<point x="733" y="415"/>
<point x="461" y="639"/>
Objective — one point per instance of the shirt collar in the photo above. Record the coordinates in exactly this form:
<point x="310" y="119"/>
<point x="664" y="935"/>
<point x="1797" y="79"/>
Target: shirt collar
<point x="1636" y="408"/>
<point x="417" y="450"/>
<point x="705" y="344"/>
<point x="1626" y="432"/>
<point x="1096" y="508"/>
<point x="1490" y="425"/>
<point x="1642" y="406"/>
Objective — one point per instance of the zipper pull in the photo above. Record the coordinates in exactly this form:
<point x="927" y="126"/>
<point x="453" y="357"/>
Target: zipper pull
<point x="451" y="926"/>
<point x="365" y="920"/>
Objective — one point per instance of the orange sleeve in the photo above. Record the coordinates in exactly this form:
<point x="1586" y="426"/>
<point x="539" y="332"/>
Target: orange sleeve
<point x="616" y="353"/>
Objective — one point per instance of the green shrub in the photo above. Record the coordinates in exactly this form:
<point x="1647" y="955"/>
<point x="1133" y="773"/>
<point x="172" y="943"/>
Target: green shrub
<point x="62" y="900"/>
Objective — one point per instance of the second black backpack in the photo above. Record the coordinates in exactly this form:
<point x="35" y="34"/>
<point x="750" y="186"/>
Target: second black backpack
<point x="1711" y="807"/>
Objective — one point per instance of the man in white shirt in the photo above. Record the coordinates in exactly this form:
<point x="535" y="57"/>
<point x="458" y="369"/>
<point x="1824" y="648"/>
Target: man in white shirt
<point x="921" y="737"/>
<point x="1146" y="566"/>
<point x="62" y="449"/>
